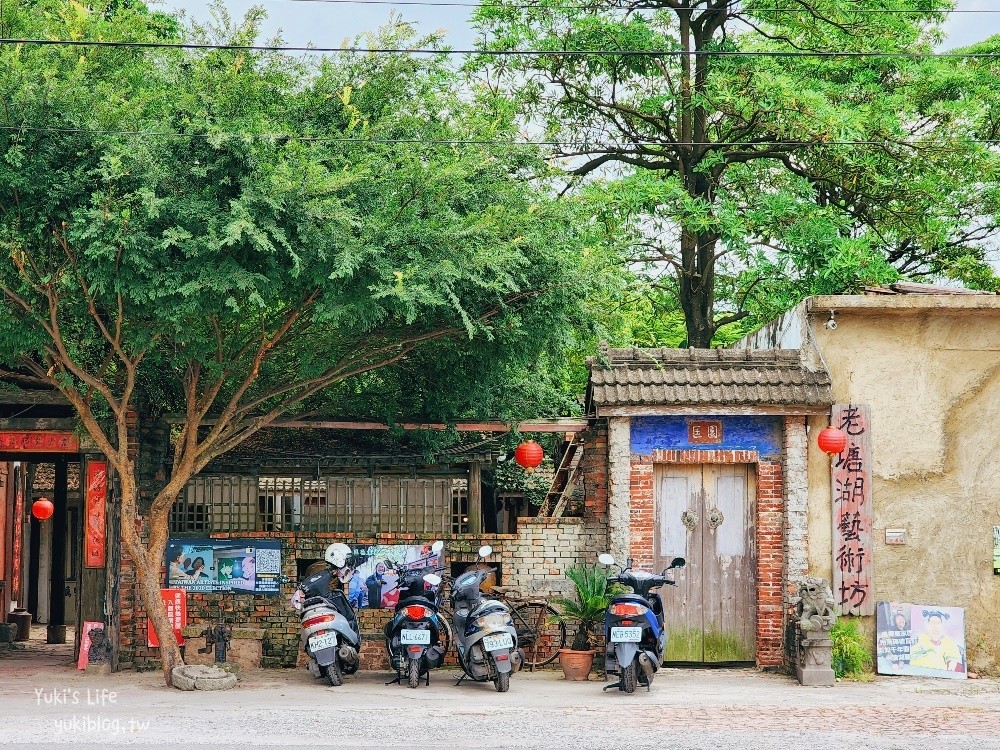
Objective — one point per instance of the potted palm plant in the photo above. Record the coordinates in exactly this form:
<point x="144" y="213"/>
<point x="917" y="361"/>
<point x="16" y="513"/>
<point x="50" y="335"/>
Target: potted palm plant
<point x="586" y="611"/>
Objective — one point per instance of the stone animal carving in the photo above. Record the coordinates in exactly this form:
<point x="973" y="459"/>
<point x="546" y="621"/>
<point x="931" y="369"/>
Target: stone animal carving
<point x="815" y="610"/>
<point x="100" y="649"/>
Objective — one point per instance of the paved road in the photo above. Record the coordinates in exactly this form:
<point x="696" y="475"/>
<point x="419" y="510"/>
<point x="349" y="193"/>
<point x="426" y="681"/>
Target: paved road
<point x="686" y="710"/>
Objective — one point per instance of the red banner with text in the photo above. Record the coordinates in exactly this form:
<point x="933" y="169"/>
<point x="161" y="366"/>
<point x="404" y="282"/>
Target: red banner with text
<point x="96" y="502"/>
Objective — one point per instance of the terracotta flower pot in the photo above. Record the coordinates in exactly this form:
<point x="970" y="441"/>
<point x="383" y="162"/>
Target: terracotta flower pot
<point x="576" y="664"/>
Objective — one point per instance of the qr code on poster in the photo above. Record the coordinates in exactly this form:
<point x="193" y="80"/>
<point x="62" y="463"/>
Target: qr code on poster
<point x="268" y="561"/>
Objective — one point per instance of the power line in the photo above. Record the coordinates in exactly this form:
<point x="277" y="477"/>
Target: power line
<point x="581" y="145"/>
<point x="493" y="53"/>
<point x="637" y="6"/>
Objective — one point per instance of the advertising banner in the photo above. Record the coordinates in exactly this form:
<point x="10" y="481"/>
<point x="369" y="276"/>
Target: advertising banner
<point x="251" y="566"/>
<point x="921" y="640"/>
<point x="376" y="571"/>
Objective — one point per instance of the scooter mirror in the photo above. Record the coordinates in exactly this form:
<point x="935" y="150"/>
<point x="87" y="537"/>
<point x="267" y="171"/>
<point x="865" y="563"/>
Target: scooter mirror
<point x="677" y="562"/>
<point x="432" y="579"/>
<point x="606" y="558"/>
<point x="437" y="546"/>
<point x="485" y="551"/>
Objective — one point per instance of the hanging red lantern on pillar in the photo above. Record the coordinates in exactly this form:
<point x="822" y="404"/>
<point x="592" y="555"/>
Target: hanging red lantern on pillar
<point x="42" y="509"/>
<point x="528" y="455"/>
<point x="831" y="440"/>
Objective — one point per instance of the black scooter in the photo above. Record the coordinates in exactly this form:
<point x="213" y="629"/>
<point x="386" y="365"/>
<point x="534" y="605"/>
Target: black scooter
<point x="633" y="626"/>
<point x="416" y="637"/>
<point x="485" y="635"/>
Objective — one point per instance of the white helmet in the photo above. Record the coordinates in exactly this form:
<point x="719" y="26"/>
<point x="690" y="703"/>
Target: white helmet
<point x="337" y="554"/>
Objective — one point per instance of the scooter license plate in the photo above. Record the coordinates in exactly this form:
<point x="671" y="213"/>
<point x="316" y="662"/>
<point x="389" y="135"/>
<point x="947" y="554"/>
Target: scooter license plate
<point x="626" y="635"/>
<point x="321" y="641"/>
<point x="497" y="641"/>
<point x="422" y="637"/>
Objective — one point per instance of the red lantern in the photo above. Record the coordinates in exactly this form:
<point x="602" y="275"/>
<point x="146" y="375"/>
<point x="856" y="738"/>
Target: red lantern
<point x="529" y="455"/>
<point x="42" y="509"/>
<point x="831" y="440"/>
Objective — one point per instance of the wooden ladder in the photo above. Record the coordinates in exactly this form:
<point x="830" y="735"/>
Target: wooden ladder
<point x="562" y="482"/>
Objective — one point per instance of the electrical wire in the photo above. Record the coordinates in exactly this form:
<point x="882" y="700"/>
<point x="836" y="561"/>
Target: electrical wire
<point x="637" y="6"/>
<point x="495" y="53"/>
<point x="581" y="145"/>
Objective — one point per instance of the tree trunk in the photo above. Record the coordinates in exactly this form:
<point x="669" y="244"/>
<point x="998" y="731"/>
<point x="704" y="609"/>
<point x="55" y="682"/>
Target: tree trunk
<point x="148" y="560"/>
<point x="697" y="287"/>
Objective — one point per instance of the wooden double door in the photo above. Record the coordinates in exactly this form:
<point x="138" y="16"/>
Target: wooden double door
<point x="705" y="513"/>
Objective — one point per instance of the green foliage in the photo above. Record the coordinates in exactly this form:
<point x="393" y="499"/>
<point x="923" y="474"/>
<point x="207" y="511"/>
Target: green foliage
<point x="508" y="476"/>
<point x="587" y="609"/>
<point x="731" y="187"/>
<point x="851" y="656"/>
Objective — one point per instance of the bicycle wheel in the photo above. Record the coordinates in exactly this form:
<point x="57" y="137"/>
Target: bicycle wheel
<point x="537" y="634"/>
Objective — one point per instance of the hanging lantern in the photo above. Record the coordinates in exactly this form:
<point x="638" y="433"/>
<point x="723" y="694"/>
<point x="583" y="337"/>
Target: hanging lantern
<point x="831" y="440"/>
<point x="42" y="509"/>
<point x="528" y="455"/>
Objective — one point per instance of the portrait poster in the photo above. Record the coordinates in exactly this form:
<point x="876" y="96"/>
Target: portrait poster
<point x="252" y="566"/>
<point x="377" y="568"/>
<point x="920" y="640"/>
<point x="84" y="656"/>
<point x="996" y="550"/>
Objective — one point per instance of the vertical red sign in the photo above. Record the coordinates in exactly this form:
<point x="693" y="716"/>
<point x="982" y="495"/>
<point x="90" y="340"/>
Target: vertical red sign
<point x="852" y="512"/>
<point x="95" y="513"/>
<point x="176" y="602"/>
<point x="81" y="662"/>
<point x="15" y="588"/>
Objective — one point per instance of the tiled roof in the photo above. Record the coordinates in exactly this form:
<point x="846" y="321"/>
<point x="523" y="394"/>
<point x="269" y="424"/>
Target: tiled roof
<point x="45" y="477"/>
<point x="709" y="377"/>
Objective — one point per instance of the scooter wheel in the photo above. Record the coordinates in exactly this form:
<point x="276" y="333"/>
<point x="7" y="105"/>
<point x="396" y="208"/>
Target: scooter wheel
<point x="629" y="678"/>
<point x="413" y="673"/>
<point x="502" y="682"/>
<point x="333" y="675"/>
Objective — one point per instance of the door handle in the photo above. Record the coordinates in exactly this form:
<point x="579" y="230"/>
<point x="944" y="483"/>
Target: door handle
<point x="690" y="519"/>
<point x="715" y="518"/>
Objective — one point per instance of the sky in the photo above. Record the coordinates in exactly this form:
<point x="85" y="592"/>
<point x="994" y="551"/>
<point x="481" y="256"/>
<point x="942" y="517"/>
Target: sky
<point x="327" y="24"/>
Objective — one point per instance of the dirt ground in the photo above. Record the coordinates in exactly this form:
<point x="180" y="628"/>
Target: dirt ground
<point x="46" y="705"/>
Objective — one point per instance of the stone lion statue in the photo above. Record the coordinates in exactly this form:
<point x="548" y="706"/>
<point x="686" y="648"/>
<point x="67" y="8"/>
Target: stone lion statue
<point x="815" y="610"/>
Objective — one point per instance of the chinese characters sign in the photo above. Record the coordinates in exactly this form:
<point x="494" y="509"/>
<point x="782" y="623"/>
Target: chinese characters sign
<point x="705" y="431"/>
<point x="35" y="441"/>
<point x="852" y="512"/>
<point x="95" y="508"/>
<point x="176" y="603"/>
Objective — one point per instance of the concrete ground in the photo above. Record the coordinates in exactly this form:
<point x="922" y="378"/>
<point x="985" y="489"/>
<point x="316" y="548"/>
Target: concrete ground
<point x="44" y="705"/>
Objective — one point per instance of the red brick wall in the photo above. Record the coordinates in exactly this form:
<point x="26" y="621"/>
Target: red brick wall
<point x="768" y="532"/>
<point x="594" y="467"/>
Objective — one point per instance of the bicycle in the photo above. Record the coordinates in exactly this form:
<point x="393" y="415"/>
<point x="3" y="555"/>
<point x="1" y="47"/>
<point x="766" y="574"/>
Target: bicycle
<point x="539" y="634"/>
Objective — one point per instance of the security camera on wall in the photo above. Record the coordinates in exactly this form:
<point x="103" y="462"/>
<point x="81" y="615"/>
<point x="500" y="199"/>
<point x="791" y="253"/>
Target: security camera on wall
<point x="831" y="324"/>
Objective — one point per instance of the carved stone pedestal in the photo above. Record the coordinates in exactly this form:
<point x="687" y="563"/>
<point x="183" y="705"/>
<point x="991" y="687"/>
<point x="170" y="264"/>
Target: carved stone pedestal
<point x="814" y="665"/>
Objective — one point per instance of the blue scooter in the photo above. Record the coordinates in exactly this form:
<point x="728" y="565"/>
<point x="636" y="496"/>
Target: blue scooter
<point x="633" y="626"/>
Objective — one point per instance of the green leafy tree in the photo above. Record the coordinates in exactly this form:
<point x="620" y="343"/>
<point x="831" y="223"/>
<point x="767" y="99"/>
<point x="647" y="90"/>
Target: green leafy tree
<point x="227" y="234"/>
<point x="743" y="162"/>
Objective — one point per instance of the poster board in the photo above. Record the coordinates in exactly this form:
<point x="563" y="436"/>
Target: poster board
<point x="377" y="568"/>
<point x="251" y="566"/>
<point x="920" y="640"/>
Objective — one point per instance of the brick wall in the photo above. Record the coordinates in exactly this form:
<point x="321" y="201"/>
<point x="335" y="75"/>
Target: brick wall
<point x="535" y="560"/>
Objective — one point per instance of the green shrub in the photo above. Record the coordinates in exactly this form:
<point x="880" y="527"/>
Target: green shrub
<point x="851" y="657"/>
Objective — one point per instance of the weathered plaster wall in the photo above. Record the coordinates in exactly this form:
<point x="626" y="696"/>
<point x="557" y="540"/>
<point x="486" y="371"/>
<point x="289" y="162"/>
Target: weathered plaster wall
<point x="931" y="374"/>
<point x="619" y="481"/>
